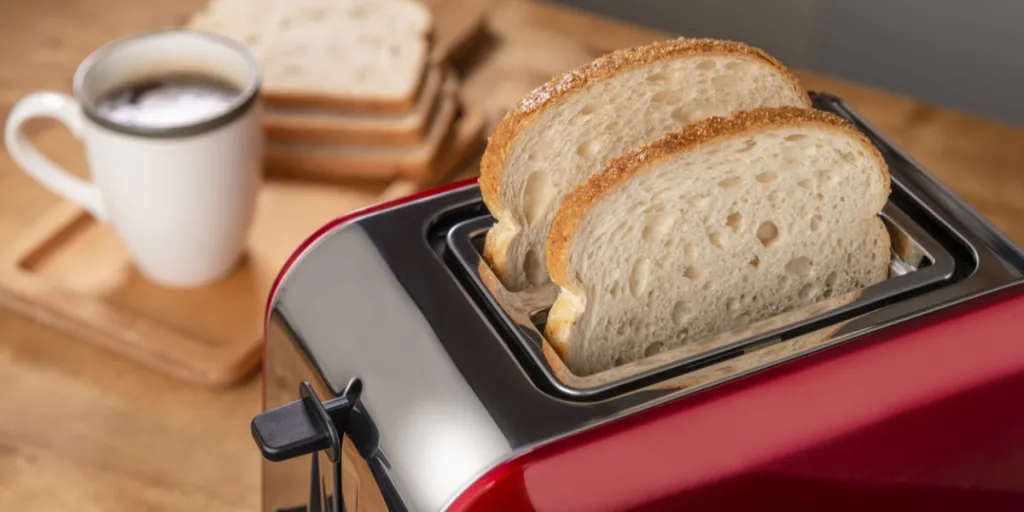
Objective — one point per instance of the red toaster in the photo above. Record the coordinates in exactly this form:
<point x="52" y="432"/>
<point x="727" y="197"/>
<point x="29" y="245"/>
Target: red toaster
<point x="396" y="379"/>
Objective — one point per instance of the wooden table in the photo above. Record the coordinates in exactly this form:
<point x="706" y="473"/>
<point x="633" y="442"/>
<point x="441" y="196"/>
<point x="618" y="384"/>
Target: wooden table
<point x="83" y="430"/>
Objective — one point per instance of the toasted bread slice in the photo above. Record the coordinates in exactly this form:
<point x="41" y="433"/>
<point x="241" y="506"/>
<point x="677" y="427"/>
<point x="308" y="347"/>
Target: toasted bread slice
<point x="723" y="223"/>
<point x="564" y="131"/>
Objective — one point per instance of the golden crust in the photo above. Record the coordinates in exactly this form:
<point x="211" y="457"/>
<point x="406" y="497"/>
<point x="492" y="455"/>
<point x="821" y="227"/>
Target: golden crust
<point x="500" y="142"/>
<point x="583" y="197"/>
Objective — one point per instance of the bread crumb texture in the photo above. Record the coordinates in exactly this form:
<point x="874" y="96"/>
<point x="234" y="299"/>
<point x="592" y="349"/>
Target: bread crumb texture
<point x="580" y="200"/>
<point x="522" y="114"/>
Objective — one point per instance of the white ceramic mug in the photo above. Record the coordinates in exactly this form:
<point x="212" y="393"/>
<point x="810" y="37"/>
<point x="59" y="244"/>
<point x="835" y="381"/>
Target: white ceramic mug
<point x="181" y="197"/>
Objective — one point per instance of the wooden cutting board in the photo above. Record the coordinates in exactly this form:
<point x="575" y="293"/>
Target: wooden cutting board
<point x="72" y="273"/>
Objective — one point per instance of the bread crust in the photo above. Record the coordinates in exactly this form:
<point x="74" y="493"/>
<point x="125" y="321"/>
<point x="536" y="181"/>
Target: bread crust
<point x="326" y="162"/>
<point x="576" y="205"/>
<point x="521" y="116"/>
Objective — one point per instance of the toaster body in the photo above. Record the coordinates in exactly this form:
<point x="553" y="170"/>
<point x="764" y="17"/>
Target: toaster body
<point x="397" y="378"/>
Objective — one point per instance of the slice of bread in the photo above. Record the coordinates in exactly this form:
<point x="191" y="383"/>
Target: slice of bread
<point x="723" y="223"/>
<point x="365" y="55"/>
<point x="324" y="161"/>
<point x="347" y="128"/>
<point x="564" y="131"/>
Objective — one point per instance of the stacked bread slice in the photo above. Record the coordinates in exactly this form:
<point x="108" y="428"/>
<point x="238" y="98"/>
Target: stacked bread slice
<point x="675" y="192"/>
<point x="351" y="88"/>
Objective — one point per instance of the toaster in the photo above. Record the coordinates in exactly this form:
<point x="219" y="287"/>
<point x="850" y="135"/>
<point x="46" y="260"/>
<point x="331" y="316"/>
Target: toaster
<point x="399" y="376"/>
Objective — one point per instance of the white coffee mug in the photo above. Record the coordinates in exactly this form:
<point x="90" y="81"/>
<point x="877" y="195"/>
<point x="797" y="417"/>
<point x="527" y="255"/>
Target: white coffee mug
<point x="181" y="197"/>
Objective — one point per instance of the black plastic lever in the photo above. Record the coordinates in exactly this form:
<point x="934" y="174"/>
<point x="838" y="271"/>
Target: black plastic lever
<point x="304" y="426"/>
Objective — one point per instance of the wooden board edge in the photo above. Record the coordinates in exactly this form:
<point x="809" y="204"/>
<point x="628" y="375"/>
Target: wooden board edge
<point x="35" y="298"/>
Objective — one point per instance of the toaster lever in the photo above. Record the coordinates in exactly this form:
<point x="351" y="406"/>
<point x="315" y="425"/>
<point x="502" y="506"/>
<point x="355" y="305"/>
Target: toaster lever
<point x="304" y="426"/>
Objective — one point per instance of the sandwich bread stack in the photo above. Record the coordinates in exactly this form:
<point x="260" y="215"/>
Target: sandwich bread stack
<point x="676" y="192"/>
<point x="351" y="88"/>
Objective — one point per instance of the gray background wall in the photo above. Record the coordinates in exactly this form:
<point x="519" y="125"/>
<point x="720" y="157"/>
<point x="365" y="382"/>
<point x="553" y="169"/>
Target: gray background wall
<point x="964" y="54"/>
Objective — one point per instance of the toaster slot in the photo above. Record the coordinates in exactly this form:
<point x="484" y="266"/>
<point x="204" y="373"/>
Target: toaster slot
<point x="943" y="254"/>
<point x="919" y="263"/>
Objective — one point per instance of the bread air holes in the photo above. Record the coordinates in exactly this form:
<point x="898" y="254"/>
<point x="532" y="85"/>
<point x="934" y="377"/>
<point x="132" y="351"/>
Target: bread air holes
<point x="656" y="228"/>
<point x="830" y="282"/>
<point x="638" y="277"/>
<point x="668" y="97"/>
<point x="537" y="194"/>
<point x="767" y="233"/>
<point x="687" y="115"/>
<point x="658" y="78"/>
<point x="690" y="273"/>
<point x="734" y="221"/>
<point x="680" y="313"/>
<point x="533" y="267"/>
<point x="796" y="137"/>
<point x="815" y="223"/>
<point x="654" y="348"/>
<point x="800" y="267"/>
<point x="805" y="184"/>
<point x="716" y="239"/>
<point x="792" y="155"/>
<point x="615" y="290"/>
<point x="755" y="262"/>
<point x="730" y="182"/>
<point x="748" y="145"/>
<point x="707" y="65"/>
<point x="766" y="177"/>
<point x="588" y="148"/>
<point x="807" y="292"/>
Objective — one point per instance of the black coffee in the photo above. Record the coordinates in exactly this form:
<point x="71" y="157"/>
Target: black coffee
<point x="168" y="102"/>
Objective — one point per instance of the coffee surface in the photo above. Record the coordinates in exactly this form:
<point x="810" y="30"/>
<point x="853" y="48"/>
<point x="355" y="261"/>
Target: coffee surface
<point x="167" y="102"/>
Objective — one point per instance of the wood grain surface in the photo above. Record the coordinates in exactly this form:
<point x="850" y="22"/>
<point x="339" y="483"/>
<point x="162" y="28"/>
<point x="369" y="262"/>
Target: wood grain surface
<point x="70" y="272"/>
<point x="82" y="429"/>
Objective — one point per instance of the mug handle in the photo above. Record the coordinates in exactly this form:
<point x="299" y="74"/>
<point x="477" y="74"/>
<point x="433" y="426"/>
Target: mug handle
<point x="58" y="180"/>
